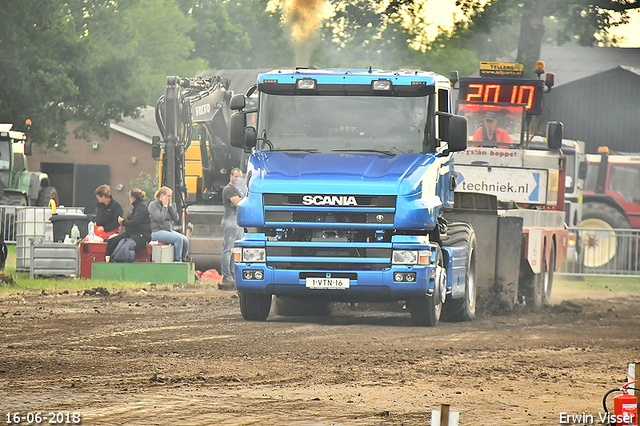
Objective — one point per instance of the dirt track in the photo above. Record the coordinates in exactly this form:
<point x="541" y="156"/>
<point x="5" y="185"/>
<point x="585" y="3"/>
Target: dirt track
<point x="184" y="356"/>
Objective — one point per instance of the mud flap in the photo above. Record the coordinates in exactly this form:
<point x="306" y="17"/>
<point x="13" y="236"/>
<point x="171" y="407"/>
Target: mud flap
<point x="508" y="253"/>
<point x="499" y="247"/>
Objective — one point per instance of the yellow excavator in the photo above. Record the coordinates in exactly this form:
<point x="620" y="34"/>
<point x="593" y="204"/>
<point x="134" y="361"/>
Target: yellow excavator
<point x="195" y="158"/>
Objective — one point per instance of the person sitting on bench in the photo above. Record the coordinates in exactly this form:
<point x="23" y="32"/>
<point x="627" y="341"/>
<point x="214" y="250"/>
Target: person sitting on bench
<point x="163" y="214"/>
<point x="137" y="224"/>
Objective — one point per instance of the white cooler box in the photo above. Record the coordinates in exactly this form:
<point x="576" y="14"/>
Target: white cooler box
<point x="161" y="253"/>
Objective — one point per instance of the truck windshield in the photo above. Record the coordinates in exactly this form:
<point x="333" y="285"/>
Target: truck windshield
<point x="493" y="124"/>
<point x="366" y="124"/>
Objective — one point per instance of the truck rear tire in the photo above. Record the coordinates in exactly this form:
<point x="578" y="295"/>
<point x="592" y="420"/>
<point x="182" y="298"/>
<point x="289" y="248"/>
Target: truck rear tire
<point x="426" y="309"/>
<point x="47" y="193"/>
<point x="255" y="306"/>
<point x="605" y="213"/>
<point x="533" y="285"/>
<point x="605" y="250"/>
<point x="462" y="309"/>
<point x="294" y="307"/>
<point x="547" y="282"/>
<point x="13" y="200"/>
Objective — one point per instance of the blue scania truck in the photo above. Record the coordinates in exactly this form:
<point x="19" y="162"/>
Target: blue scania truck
<point x="349" y="174"/>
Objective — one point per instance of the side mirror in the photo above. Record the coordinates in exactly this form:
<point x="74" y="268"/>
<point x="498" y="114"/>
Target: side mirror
<point x="28" y="147"/>
<point x="554" y="134"/>
<point x="237" y="123"/>
<point x="156" y="149"/>
<point x="582" y="170"/>
<point x="250" y="136"/>
<point x="237" y="103"/>
<point x="457" y="133"/>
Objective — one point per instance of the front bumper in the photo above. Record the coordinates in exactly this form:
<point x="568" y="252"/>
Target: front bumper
<point x="364" y="284"/>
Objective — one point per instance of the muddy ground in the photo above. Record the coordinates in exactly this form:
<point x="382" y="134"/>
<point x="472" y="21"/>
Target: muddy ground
<point x="184" y="356"/>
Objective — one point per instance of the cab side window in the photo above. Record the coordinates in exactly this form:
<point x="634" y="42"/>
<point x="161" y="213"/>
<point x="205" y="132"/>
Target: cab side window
<point x="443" y="105"/>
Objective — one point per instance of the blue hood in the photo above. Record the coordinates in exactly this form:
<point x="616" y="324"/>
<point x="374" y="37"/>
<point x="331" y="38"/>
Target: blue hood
<point x="417" y="180"/>
<point x="343" y="173"/>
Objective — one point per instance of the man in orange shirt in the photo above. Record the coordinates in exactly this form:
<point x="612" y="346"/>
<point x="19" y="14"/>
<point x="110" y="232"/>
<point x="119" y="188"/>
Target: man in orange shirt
<point x="490" y="132"/>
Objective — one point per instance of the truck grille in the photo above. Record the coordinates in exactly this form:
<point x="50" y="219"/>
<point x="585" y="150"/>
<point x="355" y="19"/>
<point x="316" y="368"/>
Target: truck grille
<point x="368" y="212"/>
<point x="362" y="200"/>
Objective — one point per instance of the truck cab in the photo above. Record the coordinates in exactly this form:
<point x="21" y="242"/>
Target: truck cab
<point x="519" y="178"/>
<point x="348" y="175"/>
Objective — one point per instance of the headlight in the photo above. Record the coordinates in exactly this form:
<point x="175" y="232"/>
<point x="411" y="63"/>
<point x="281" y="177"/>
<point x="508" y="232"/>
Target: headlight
<point x="250" y="255"/>
<point x="405" y="257"/>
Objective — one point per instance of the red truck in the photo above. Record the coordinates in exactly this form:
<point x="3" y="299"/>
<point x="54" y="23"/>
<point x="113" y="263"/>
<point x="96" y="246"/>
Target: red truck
<point x="611" y="195"/>
<point x="611" y="200"/>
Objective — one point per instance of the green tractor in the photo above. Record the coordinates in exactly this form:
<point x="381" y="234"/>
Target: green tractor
<point x="19" y="187"/>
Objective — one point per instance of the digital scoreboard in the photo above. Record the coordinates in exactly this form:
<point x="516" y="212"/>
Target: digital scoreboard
<point x="513" y="91"/>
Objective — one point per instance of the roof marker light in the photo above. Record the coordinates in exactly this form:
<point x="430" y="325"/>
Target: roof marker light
<point x="382" y="85"/>
<point x="549" y="80"/>
<point x="306" y="84"/>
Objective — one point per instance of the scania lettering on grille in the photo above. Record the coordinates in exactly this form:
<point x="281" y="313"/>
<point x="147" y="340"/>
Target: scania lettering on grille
<point x="329" y="200"/>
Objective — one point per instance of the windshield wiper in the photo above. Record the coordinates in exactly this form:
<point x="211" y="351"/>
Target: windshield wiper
<point x="372" y="151"/>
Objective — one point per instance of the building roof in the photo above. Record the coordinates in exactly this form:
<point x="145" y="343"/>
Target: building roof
<point x="600" y="109"/>
<point x="570" y="63"/>
<point x="142" y="128"/>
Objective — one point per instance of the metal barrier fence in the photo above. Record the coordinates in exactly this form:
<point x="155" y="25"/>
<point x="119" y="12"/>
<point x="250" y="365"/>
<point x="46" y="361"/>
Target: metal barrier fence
<point x="24" y="225"/>
<point x="603" y="252"/>
<point x="30" y="222"/>
<point x="8" y="223"/>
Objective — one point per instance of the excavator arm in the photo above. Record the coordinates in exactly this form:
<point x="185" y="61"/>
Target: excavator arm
<point x="187" y="104"/>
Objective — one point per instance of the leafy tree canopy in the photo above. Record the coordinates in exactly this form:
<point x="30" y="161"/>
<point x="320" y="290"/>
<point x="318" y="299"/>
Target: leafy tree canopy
<point x="93" y="61"/>
<point x="237" y="34"/>
<point x="497" y="28"/>
<point x="86" y="61"/>
<point x="390" y="34"/>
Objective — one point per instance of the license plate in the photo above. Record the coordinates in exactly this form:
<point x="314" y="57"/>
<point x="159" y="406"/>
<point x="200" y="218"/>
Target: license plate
<point x="328" y="283"/>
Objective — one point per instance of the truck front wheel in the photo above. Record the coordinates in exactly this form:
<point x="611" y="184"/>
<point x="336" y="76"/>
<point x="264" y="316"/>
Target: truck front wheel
<point x="462" y="309"/>
<point x="255" y="306"/>
<point x="426" y="310"/>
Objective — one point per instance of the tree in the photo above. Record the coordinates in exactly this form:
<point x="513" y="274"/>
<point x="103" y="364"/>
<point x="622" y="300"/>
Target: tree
<point x="391" y="35"/>
<point x="238" y="34"/>
<point x="489" y="28"/>
<point x="84" y="61"/>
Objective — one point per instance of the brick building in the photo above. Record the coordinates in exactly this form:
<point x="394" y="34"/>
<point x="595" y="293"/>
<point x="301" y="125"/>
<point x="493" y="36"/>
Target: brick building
<point x="84" y="166"/>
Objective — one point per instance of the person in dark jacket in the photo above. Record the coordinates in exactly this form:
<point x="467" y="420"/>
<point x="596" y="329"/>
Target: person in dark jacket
<point x="137" y="225"/>
<point x="109" y="210"/>
<point x="163" y="214"/>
